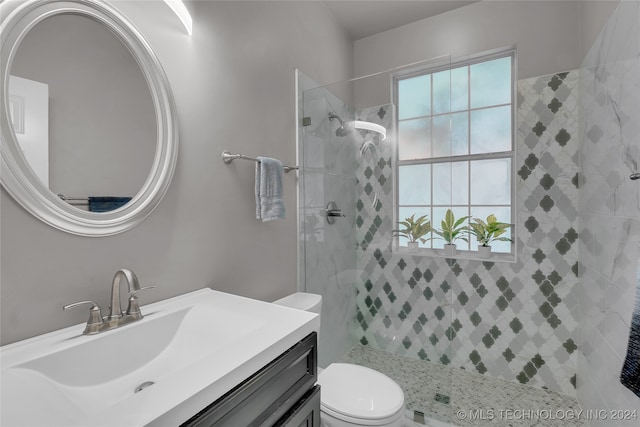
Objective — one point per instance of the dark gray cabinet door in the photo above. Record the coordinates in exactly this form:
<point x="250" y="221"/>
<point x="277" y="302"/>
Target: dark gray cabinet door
<point x="306" y="413"/>
<point x="269" y="394"/>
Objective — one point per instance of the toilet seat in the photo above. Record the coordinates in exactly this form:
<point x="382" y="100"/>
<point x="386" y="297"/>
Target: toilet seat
<point x="360" y="395"/>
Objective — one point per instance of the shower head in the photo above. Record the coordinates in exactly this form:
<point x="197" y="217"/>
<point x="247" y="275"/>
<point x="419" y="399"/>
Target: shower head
<point x="348" y="128"/>
<point x="344" y="129"/>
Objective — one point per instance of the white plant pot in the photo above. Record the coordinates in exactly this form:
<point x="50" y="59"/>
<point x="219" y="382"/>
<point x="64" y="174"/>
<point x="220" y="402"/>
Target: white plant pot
<point x="450" y="249"/>
<point x="484" y="251"/>
<point x="413" y="245"/>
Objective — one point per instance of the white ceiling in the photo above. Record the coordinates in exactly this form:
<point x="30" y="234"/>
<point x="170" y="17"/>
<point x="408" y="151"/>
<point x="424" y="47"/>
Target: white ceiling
<point x="362" y="18"/>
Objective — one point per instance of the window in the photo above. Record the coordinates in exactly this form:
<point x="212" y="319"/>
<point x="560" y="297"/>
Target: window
<point x="455" y="144"/>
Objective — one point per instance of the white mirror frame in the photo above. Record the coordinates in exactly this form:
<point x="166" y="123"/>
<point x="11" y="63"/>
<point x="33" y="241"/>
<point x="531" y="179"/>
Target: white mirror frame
<point x="16" y="175"/>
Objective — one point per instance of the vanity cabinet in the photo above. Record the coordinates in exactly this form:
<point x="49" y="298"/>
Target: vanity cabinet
<point x="304" y="414"/>
<point x="283" y="393"/>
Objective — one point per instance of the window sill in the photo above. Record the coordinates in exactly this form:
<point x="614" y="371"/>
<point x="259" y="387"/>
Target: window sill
<point x="463" y="255"/>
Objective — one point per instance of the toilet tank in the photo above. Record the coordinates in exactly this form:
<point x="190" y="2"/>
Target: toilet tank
<point x="302" y="301"/>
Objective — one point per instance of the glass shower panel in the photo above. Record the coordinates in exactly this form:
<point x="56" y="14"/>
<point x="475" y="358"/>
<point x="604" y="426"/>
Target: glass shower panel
<point x="449" y="189"/>
<point x="382" y="307"/>
<point x="327" y="176"/>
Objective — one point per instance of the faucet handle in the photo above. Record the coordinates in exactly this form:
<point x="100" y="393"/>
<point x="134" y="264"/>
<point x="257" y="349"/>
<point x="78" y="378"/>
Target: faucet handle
<point x="134" y="309"/>
<point x="95" y="316"/>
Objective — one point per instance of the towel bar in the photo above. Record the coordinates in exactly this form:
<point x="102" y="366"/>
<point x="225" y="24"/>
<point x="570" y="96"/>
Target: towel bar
<point x="227" y="158"/>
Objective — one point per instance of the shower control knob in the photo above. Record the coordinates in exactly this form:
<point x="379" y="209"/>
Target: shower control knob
<point x="332" y="212"/>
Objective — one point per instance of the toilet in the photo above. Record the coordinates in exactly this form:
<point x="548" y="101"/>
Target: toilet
<point x="351" y="395"/>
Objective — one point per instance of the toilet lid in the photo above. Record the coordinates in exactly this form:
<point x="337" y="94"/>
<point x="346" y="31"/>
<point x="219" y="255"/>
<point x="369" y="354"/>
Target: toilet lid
<point x="359" y="392"/>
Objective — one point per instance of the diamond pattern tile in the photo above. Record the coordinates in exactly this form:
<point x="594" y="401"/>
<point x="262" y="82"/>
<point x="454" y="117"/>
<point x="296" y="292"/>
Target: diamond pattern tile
<point x="514" y="320"/>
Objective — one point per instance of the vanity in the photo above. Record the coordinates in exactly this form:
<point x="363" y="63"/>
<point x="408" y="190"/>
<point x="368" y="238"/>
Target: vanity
<point x="200" y="359"/>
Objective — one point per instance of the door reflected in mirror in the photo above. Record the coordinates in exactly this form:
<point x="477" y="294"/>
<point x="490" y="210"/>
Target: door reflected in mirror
<point x="82" y="112"/>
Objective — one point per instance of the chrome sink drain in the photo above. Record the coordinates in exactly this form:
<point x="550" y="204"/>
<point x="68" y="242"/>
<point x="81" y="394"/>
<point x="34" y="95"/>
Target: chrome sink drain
<point x="143" y="386"/>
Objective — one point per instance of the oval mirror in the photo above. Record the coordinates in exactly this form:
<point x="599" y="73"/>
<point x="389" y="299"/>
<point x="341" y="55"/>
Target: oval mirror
<point x="88" y="130"/>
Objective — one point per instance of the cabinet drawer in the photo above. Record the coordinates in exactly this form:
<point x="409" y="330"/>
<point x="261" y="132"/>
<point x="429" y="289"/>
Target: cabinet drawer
<point x="306" y="413"/>
<point x="267" y="395"/>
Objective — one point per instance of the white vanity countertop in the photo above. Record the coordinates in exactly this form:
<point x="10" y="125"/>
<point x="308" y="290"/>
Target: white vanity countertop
<point x="195" y="347"/>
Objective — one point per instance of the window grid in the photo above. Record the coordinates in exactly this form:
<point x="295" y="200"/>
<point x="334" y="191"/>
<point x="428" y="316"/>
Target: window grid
<point x="468" y="157"/>
<point x="454" y="112"/>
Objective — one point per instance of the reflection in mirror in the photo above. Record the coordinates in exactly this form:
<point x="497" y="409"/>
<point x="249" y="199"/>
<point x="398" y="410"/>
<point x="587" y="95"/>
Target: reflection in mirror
<point x="128" y="145"/>
<point x="82" y="112"/>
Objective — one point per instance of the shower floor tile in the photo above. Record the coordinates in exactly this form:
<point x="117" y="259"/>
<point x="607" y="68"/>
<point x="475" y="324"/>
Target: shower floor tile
<point x="465" y="398"/>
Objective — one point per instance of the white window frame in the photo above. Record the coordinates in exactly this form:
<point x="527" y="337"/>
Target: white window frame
<point x="461" y="62"/>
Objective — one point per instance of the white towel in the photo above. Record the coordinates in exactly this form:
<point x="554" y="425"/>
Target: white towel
<point x="269" y="204"/>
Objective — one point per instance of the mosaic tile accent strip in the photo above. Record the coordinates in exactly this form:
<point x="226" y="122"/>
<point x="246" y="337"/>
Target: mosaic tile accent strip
<point x="469" y="392"/>
<point x="514" y="321"/>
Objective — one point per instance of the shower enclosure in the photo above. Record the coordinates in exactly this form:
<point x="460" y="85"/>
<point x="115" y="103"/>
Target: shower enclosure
<point x="455" y="333"/>
<point x="467" y="339"/>
<point x="374" y="299"/>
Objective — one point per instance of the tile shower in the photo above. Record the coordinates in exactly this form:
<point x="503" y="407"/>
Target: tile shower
<point x="508" y="320"/>
<point x="514" y="321"/>
<point x="557" y="319"/>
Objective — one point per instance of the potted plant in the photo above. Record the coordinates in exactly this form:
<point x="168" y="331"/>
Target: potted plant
<point x="414" y="230"/>
<point x="487" y="232"/>
<point x="451" y="231"/>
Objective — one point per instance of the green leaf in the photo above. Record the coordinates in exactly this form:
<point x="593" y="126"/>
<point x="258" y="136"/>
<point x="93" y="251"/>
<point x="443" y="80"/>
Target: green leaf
<point x="422" y="218"/>
<point x="448" y="218"/>
<point x="414" y="229"/>
<point x="460" y="221"/>
<point x="488" y="232"/>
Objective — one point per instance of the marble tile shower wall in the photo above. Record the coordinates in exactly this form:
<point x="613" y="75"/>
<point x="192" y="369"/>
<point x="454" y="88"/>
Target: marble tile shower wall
<point x="328" y="259"/>
<point x="515" y="321"/>
<point x="609" y="210"/>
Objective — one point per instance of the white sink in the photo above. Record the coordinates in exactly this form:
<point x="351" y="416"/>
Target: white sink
<point x="186" y="352"/>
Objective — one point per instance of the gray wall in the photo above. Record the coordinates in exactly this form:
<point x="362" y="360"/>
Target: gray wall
<point x="234" y="86"/>
<point x="593" y="17"/>
<point x="546" y="33"/>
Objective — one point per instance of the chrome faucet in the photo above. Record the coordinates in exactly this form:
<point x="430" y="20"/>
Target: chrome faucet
<point x="115" y="310"/>
<point x="116" y="317"/>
